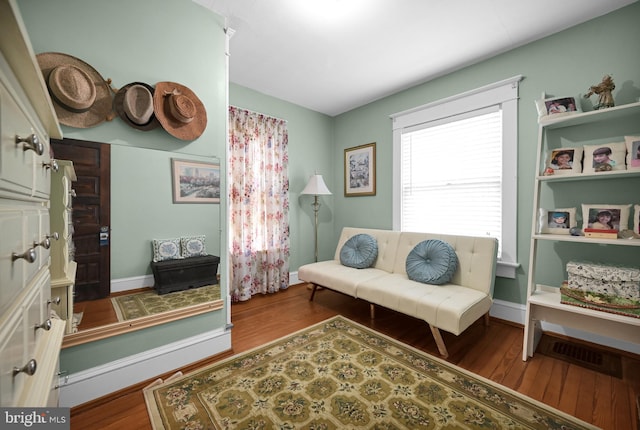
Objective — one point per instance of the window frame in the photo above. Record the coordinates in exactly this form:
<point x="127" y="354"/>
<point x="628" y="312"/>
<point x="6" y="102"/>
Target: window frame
<point x="503" y="93"/>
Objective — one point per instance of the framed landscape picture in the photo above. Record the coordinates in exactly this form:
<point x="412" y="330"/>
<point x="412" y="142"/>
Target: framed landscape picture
<point x="360" y="170"/>
<point x="195" y="181"/>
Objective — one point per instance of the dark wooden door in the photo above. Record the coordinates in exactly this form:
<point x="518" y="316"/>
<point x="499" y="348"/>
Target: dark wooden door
<point x="91" y="214"/>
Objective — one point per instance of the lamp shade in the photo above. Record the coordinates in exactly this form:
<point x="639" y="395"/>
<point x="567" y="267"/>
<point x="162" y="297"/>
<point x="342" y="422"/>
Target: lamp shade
<point x="316" y="186"/>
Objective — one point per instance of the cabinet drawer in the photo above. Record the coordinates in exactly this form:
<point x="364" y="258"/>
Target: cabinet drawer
<point x="12" y="273"/>
<point x="11" y="355"/>
<point x="36" y="310"/>
<point x="21" y="171"/>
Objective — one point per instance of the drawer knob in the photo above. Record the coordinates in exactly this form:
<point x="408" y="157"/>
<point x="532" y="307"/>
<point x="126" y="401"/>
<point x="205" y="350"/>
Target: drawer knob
<point x="29" y="255"/>
<point x="53" y="235"/>
<point x="54" y="300"/>
<point x="45" y="243"/>
<point x="45" y="325"/>
<point x="29" y="368"/>
<point x="31" y="142"/>
<point x="53" y="165"/>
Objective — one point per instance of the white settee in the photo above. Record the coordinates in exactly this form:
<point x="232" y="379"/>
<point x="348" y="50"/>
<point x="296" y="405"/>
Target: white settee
<point x="452" y="307"/>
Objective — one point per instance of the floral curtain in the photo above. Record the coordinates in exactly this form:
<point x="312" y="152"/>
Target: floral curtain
<point x="258" y="204"/>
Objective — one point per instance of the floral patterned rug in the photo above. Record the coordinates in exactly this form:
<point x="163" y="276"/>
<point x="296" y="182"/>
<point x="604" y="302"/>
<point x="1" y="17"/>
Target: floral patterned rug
<point x="149" y="302"/>
<point x="341" y="375"/>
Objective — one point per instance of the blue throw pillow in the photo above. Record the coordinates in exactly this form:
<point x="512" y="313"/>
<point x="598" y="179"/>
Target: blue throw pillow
<point x="360" y="251"/>
<point x="432" y="262"/>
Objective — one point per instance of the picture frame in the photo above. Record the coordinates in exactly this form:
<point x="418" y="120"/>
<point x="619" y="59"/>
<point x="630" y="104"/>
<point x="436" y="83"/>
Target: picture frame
<point x="604" y="158"/>
<point x="195" y="181"/>
<point x="557" y="221"/>
<point x="557" y="106"/>
<point x="360" y="170"/>
<point x="618" y="216"/>
<point x="633" y="152"/>
<point x="564" y="161"/>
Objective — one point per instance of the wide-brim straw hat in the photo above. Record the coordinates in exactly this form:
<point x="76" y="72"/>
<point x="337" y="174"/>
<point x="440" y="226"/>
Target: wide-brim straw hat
<point x="179" y="110"/>
<point x="81" y="96"/>
<point x="134" y="105"/>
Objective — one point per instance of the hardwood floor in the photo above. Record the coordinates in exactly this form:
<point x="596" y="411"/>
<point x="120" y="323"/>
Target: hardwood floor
<point x="493" y="352"/>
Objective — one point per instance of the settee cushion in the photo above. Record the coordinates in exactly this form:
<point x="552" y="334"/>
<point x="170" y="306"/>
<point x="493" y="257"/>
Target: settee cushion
<point x="432" y="262"/>
<point x="360" y="251"/>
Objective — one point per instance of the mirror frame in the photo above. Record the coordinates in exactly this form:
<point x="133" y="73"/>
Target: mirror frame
<point x="114" y="329"/>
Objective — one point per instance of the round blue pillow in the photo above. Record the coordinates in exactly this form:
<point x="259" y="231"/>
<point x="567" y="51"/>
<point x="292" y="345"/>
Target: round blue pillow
<point x="360" y="251"/>
<point x="432" y="262"/>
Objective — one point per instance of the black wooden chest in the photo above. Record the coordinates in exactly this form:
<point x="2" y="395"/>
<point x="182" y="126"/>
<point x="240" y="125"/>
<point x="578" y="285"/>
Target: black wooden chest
<point x="178" y="275"/>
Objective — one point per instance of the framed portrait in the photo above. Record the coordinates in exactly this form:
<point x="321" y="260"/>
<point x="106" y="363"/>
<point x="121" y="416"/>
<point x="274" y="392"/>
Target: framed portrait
<point x="605" y="157"/>
<point x="564" y="161"/>
<point x="360" y="170"/>
<point x="633" y="152"/>
<point x="605" y="216"/>
<point x="636" y="219"/>
<point x="195" y="181"/>
<point x="557" y="221"/>
<point x="556" y="106"/>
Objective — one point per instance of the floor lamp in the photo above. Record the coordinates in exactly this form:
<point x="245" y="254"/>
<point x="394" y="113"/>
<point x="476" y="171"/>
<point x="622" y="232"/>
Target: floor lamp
<point x="316" y="187"/>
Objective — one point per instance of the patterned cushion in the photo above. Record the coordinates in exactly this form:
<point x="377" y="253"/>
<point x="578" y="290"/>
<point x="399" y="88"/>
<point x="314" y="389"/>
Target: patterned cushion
<point x="360" y="251"/>
<point x="432" y="262"/>
<point x="166" y="249"/>
<point x="192" y="246"/>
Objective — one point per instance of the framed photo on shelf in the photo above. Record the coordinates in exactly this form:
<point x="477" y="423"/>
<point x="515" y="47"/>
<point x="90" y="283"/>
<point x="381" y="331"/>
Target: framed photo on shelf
<point x="564" y="161"/>
<point x="556" y="106"/>
<point x="605" y="157"/>
<point x="557" y="221"/>
<point x="360" y="170"/>
<point x="605" y="217"/>
<point x="633" y="152"/>
<point x="195" y="181"/>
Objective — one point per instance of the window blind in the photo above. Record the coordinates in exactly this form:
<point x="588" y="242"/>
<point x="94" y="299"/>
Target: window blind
<point x="451" y="175"/>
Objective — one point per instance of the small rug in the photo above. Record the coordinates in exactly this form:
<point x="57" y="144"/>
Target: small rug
<point x="149" y="302"/>
<point x="339" y="374"/>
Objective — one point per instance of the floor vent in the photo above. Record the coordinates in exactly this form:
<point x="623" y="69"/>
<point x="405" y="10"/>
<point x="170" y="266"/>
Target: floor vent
<point x="586" y="356"/>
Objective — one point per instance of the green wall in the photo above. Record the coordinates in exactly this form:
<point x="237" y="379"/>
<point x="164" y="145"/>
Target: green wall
<point x="564" y="64"/>
<point x="144" y="41"/>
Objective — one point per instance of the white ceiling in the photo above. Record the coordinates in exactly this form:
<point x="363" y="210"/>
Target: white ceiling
<point x="334" y="55"/>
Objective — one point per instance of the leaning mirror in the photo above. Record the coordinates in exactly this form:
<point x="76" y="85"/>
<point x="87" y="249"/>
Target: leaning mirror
<point x="110" y="204"/>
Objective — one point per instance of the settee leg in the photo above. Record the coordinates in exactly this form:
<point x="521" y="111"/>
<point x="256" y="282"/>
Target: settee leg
<point x="486" y="319"/>
<point x="314" y="287"/>
<point x="372" y="311"/>
<point x="439" y="342"/>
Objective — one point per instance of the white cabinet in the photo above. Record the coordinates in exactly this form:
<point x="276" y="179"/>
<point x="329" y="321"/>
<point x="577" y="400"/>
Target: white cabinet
<point x="29" y="340"/>
<point x="63" y="268"/>
<point x="550" y="253"/>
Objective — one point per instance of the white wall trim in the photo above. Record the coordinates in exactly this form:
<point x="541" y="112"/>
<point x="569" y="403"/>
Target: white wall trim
<point x="135" y="282"/>
<point x="90" y="384"/>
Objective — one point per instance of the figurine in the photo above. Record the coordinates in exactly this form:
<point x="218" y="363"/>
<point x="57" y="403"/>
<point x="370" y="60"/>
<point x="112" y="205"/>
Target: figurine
<point x="603" y="90"/>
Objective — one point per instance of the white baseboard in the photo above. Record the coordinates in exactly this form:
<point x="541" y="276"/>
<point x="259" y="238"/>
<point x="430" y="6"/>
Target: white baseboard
<point x="135" y="282"/>
<point x="90" y="384"/>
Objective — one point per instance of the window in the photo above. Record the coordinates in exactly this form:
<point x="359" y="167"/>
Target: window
<point x="455" y="167"/>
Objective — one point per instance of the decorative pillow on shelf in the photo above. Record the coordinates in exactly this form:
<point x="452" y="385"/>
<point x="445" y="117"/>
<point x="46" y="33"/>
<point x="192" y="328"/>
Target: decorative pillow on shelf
<point x="633" y="152"/>
<point x="605" y="157"/>
<point x="193" y="246"/>
<point x="359" y="252"/>
<point x="432" y="262"/>
<point x="166" y="249"/>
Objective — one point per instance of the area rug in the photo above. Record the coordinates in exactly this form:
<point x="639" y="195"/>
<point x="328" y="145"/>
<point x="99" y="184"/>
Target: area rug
<point x="149" y="302"/>
<point x="337" y="375"/>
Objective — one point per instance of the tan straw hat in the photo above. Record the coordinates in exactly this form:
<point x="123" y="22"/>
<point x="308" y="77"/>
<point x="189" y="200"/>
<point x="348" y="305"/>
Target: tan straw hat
<point x="81" y="96"/>
<point x="179" y="110"/>
<point x="134" y="104"/>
